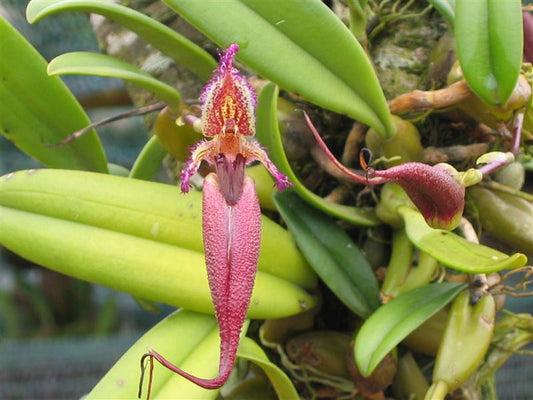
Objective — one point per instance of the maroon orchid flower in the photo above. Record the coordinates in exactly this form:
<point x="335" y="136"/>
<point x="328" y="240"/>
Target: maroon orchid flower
<point x="433" y="189"/>
<point x="231" y="214"/>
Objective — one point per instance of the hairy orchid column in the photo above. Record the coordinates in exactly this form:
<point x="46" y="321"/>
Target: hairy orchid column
<point x="231" y="215"/>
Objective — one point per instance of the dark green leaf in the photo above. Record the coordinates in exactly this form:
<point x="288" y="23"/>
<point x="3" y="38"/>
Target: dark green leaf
<point x="37" y="110"/>
<point x="331" y="253"/>
<point x="391" y="323"/>
<point x="269" y="135"/>
<point x="300" y="45"/>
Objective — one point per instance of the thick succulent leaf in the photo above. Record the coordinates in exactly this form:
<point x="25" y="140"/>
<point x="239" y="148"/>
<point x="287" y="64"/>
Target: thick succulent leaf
<point x="489" y="41"/>
<point x="455" y="251"/>
<point x="37" y="109"/>
<point x="143" y="209"/>
<point x="85" y="63"/>
<point x="391" y="323"/>
<point x="169" y="42"/>
<point x="331" y="253"/>
<point x="180" y="337"/>
<point x="251" y="351"/>
<point x="139" y="237"/>
<point x="300" y="45"/>
<point x="269" y="135"/>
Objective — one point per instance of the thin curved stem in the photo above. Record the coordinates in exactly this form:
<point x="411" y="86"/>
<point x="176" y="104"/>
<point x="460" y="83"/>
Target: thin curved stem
<point x="356" y="177"/>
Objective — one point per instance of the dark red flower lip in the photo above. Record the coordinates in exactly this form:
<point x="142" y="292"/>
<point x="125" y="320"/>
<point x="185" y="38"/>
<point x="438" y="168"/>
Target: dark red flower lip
<point x="432" y="189"/>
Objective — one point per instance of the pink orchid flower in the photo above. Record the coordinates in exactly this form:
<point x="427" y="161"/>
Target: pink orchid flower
<point x="432" y="189"/>
<point x="231" y="214"/>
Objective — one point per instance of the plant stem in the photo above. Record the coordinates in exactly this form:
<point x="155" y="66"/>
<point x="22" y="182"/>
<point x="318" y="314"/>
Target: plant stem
<point x="437" y="391"/>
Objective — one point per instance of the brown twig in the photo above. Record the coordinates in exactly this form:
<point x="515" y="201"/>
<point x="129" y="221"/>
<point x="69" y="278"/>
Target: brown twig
<point x="127" y="114"/>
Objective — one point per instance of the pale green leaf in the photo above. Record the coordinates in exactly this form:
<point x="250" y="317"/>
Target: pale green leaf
<point x="300" y="45"/>
<point x="455" y="251"/>
<point x="163" y="38"/>
<point x="85" y="63"/>
<point x="489" y="40"/>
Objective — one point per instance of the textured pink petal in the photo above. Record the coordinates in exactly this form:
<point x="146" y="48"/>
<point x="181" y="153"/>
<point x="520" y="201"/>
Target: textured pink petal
<point x="232" y="237"/>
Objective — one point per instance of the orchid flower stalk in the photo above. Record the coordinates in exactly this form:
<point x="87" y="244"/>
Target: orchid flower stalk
<point x="231" y="214"/>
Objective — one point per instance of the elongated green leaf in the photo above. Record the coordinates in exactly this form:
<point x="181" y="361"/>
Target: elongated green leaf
<point x="177" y="338"/>
<point x="85" y="63"/>
<point x="139" y="237"/>
<point x="300" y="45"/>
<point x="489" y="41"/>
<point x="455" y="251"/>
<point x="172" y="44"/>
<point x="37" y="109"/>
<point x="391" y="323"/>
<point x="251" y="351"/>
<point x="269" y="135"/>
<point x="149" y="160"/>
<point x="331" y="253"/>
<point x="142" y="209"/>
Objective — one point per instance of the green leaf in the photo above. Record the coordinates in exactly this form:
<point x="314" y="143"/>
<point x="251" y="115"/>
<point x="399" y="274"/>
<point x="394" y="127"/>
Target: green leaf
<point x="251" y="351"/>
<point x="85" y="63"/>
<point x="391" y="323"/>
<point x="138" y="237"/>
<point x="489" y="46"/>
<point x="163" y="38"/>
<point x="331" y="253"/>
<point x="269" y="135"/>
<point x="455" y="251"/>
<point x="446" y="9"/>
<point x="264" y="185"/>
<point x="37" y="109"/>
<point x="300" y="45"/>
<point x="188" y="339"/>
<point x="148" y="161"/>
